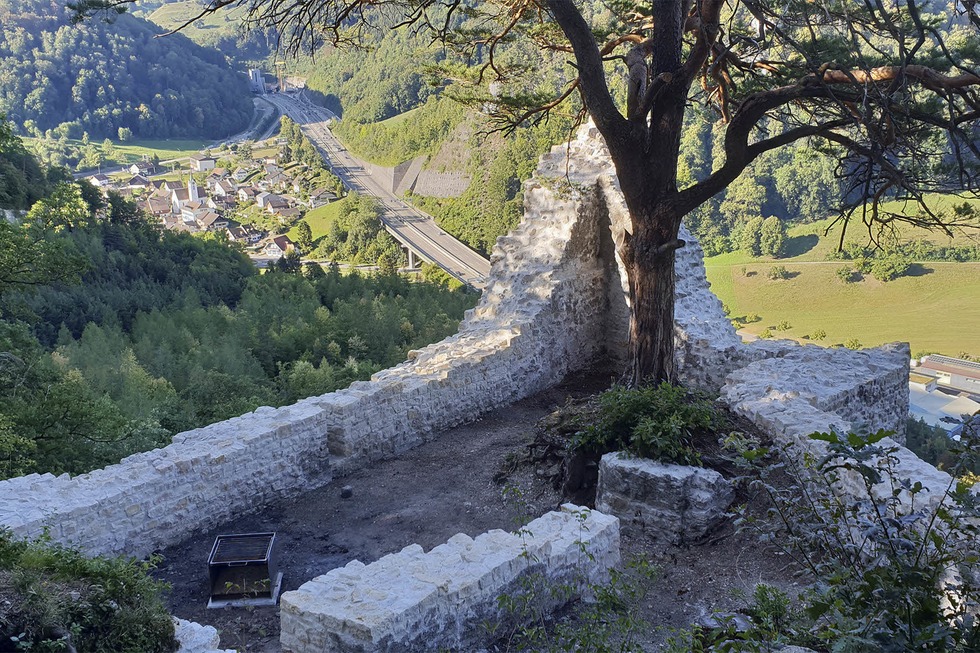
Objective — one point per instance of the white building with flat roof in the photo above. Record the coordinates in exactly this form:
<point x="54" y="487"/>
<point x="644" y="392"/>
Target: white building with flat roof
<point x="256" y="80"/>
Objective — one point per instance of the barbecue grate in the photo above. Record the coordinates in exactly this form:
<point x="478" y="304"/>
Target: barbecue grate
<point x="243" y="570"/>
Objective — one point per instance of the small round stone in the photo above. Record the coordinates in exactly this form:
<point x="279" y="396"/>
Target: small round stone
<point x="346" y="492"/>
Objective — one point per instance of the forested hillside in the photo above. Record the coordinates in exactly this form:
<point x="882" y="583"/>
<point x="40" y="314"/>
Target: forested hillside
<point x="115" y="335"/>
<point x="100" y="78"/>
<point x="22" y="180"/>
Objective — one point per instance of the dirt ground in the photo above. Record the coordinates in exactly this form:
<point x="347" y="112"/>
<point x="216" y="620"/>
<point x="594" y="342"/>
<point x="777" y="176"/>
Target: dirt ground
<point x="441" y="488"/>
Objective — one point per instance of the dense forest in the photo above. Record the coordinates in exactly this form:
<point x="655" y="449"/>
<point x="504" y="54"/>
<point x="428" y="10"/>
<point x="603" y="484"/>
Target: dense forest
<point x="102" y="78"/>
<point x="22" y="179"/>
<point x="115" y="335"/>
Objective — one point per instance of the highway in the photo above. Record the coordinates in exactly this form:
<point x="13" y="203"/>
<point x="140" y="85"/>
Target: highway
<point x="412" y="228"/>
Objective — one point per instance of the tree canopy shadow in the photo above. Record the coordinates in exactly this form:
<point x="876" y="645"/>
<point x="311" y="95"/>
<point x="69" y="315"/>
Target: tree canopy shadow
<point x="918" y="270"/>
<point x="798" y="245"/>
<point x="328" y="100"/>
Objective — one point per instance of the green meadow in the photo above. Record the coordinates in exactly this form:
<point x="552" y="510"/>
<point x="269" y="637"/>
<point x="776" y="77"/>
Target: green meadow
<point x="320" y="219"/>
<point x="936" y="308"/>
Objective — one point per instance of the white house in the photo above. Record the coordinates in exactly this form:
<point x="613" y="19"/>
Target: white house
<point x="203" y="162"/>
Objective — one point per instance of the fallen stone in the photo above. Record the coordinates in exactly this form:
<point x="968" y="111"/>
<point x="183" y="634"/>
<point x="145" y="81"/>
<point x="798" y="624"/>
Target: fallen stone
<point x="195" y="638"/>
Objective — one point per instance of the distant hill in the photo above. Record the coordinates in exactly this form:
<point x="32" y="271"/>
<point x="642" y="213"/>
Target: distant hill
<point x="221" y="30"/>
<point x="99" y="78"/>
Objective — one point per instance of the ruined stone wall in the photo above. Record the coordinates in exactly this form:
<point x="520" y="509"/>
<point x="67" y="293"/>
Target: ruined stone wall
<point x="556" y="298"/>
<point x="446" y="598"/>
<point x="536" y="322"/>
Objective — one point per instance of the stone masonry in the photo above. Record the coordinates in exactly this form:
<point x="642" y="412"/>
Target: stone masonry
<point x="555" y="300"/>
<point x="443" y="599"/>
<point x="535" y="323"/>
<point x="673" y="503"/>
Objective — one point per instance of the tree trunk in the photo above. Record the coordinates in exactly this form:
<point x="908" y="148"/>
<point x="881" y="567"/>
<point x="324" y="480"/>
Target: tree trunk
<point x="650" y="270"/>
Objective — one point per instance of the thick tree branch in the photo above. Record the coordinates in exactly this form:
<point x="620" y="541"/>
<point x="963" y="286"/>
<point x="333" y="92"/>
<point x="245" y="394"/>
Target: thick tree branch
<point x="928" y="77"/>
<point x="739" y="154"/>
<point x="708" y="26"/>
<point x="592" y="79"/>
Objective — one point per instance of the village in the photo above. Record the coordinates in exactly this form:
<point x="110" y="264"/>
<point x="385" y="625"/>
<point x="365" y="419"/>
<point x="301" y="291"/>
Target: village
<point x="251" y="195"/>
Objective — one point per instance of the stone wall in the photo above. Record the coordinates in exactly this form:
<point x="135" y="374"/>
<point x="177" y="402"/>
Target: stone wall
<point x="555" y="299"/>
<point x="536" y="322"/>
<point x="672" y="503"/>
<point x="440" y="600"/>
<point x="431" y="183"/>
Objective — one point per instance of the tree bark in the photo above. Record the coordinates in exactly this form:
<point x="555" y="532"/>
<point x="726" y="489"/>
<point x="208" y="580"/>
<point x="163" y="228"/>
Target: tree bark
<point x="649" y="260"/>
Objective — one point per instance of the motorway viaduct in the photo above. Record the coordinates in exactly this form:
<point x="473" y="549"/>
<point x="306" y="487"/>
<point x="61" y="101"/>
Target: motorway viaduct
<point x="413" y="229"/>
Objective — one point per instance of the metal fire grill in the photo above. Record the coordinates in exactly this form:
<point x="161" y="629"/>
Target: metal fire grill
<point x="243" y="570"/>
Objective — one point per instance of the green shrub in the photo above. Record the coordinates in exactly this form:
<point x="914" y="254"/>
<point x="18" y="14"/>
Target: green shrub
<point x="105" y="605"/>
<point x="777" y="273"/>
<point x="658" y="422"/>
<point x="892" y="572"/>
<point x="890" y="268"/>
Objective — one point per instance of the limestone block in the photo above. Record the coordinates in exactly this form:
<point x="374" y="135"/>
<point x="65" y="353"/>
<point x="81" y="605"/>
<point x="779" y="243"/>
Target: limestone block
<point x="195" y="638"/>
<point x="676" y="503"/>
<point x="418" y="601"/>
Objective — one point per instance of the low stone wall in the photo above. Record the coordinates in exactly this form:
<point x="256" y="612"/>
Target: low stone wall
<point x="440" y="600"/>
<point x="673" y="503"/>
<point x="789" y="414"/>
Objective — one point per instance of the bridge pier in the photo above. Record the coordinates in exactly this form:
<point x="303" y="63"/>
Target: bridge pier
<point x="413" y="261"/>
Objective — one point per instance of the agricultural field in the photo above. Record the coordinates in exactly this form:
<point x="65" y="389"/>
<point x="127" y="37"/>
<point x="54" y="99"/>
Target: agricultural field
<point x="935" y="307"/>
<point x="207" y="29"/>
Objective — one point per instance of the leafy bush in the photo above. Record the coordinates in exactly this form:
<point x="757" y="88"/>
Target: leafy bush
<point x="846" y="274"/>
<point x="49" y="593"/>
<point x="658" y="422"/>
<point x="890" y="268"/>
<point x="777" y="272"/>
<point x="770" y="622"/>
<point x="894" y="570"/>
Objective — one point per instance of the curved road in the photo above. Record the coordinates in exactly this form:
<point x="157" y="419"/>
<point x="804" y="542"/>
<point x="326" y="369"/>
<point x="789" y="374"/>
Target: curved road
<point x="411" y="227"/>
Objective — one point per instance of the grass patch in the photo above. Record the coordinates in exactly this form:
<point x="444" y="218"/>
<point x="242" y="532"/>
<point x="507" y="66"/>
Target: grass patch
<point x="935" y="311"/>
<point x="933" y="308"/>
<point x="134" y="151"/>
<point x="394" y="121"/>
<point x="203" y="30"/>
<point x="321" y="218"/>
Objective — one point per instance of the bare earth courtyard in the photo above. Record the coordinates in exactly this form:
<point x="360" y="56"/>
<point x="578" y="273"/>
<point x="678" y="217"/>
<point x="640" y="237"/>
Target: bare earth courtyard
<point x="444" y="487"/>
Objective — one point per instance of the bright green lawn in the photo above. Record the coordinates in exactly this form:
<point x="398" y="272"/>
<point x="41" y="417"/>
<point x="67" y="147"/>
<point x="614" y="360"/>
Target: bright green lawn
<point x="206" y="29"/>
<point x="165" y="149"/>
<point x="937" y="311"/>
<point x="133" y="151"/>
<point x="320" y="219"/>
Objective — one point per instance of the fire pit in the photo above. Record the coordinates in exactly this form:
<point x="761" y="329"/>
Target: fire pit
<point x="243" y="570"/>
